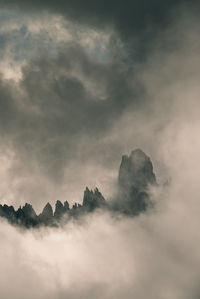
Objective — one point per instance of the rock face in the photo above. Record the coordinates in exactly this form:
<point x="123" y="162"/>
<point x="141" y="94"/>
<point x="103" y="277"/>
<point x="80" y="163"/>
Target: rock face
<point x="29" y="211"/>
<point x="136" y="171"/>
<point x="24" y="216"/>
<point x="60" y="209"/>
<point x="28" y="215"/>
<point x="8" y="212"/>
<point x="46" y="217"/>
<point x="93" y="199"/>
<point x="135" y="175"/>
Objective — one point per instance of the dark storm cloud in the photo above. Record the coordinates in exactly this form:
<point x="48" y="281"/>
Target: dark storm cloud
<point x="71" y="110"/>
<point x="52" y="110"/>
<point x="65" y="103"/>
<point x="136" y="21"/>
<point x="128" y="15"/>
<point x="68" y="106"/>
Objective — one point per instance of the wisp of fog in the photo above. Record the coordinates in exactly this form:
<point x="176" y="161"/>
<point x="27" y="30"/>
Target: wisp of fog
<point x="153" y="255"/>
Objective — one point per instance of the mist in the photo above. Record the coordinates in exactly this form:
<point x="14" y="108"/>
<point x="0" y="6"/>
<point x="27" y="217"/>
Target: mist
<point x="71" y="111"/>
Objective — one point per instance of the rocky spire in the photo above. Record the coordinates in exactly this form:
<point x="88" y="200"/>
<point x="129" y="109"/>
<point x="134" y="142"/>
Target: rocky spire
<point x="60" y="209"/>
<point x="8" y="212"/>
<point x="66" y="205"/>
<point x="136" y="171"/>
<point x="28" y="215"/>
<point x="93" y="199"/>
<point x="46" y="217"/>
<point x="29" y="211"/>
<point x="135" y="175"/>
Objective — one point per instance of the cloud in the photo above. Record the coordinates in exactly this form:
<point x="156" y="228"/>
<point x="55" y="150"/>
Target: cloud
<point x="128" y="16"/>
<point x="82" y="101"/>
<point x="65" y="123"/>
<point x="154" y="255"/>
<point x="59" y="108"/>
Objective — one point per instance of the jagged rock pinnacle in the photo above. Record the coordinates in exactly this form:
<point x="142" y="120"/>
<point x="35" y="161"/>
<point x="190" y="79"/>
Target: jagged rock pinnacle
<point x="93" y="199"/>
<point x="60" y="209"/>
<point x="135" y="175"/>
<point x="136" y="171"/>
<point x="46" y="216"/>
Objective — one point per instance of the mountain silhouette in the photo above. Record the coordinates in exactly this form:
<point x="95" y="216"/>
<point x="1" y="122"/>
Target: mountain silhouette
<point x="135" y="177"/>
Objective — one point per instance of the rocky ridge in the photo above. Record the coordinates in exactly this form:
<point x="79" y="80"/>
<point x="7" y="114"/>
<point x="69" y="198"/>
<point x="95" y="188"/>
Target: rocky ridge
<point x="135" y="176"/>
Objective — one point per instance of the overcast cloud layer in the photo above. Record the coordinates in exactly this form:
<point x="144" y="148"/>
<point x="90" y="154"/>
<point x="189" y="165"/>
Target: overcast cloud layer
<point x="80" y="86"/>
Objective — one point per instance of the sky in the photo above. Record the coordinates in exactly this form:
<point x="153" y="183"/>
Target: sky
<point x="81" y="84"/>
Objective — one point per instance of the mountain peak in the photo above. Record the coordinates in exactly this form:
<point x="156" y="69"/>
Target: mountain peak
<point x="136" y="170"/>
<point x="93" y="199"/>
<point x="46" y="216"/>
<point x="135" y="175"/>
